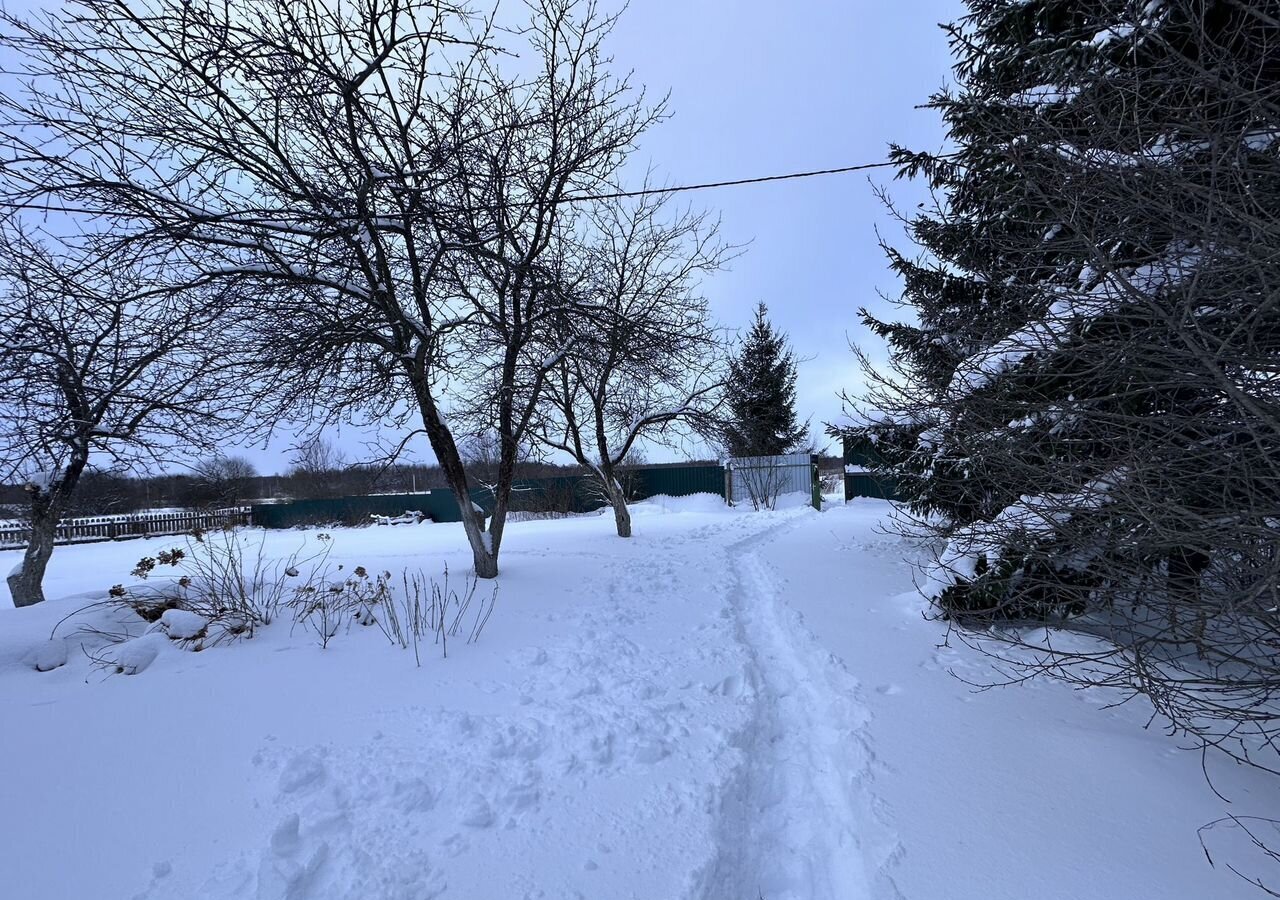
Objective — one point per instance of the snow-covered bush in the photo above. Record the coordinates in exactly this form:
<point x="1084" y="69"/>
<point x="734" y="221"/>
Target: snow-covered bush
<point x="325" y="603"/>
<point x="224" y="592"/>
<point x="232" y="589"/>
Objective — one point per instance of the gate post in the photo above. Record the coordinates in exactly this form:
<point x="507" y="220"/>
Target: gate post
<point x="817" y="484"/>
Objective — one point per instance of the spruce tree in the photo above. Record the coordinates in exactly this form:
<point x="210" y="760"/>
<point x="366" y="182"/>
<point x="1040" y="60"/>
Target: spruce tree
<point x="1086" y="409"/>
<point x="761" y="394"/>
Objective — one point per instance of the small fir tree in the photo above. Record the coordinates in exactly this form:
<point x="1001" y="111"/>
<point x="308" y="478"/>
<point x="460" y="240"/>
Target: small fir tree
<point x="761" y="394"/>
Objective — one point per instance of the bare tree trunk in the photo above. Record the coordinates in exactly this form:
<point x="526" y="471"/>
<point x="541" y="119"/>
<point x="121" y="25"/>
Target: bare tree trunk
<point x="506" y="479"/>
<point x="484" y="545"/>
<point x="483" y="552"/>
<point x="621" y="516"/>
<point x="26" y="583"/>
<point x="1186" y="565"/>
<point x="618" y="500"/>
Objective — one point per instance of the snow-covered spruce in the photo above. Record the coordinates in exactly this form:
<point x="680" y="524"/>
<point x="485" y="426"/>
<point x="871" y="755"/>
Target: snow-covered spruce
<point x="1085" y="420"/>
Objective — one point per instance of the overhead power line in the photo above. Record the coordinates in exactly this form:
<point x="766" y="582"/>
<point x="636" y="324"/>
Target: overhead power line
<point x="582" y="198"/>
<point x="577" y="198"/>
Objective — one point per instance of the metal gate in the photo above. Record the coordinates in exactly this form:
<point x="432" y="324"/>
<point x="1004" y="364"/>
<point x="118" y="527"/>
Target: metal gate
<point x="761" y="480"/>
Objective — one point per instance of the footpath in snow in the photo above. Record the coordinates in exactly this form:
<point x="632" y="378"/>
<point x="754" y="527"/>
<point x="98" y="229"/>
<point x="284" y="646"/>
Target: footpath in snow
<point x="730" y="705"/>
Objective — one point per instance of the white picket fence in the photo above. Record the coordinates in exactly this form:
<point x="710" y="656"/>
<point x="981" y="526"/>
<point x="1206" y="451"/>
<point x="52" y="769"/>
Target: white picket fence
<point x="761" y="480"/>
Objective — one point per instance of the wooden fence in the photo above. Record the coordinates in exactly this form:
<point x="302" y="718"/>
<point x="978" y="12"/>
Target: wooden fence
<point x="137" y="525"/>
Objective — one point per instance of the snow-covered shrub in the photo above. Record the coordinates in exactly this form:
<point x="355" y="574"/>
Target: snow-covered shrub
<point x="223" y="590"/>
<point x="133" y="656"/>
<point x="46" y="657"/>
<point x="183" y="625"/>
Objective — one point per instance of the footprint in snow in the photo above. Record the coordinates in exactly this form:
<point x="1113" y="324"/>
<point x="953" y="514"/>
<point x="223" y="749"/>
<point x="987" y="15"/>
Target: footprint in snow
<point x="589" y="688"/>
<point x="648" y="691"/>
<point x="414" y="796"/>
<point x="284" y="878"/>
<point x="514" y="742"/>
<point x="477" y="813"/>
<point x="602" y="748"/>
<point x="650" y="750"/>
<point x="731" y="686"/>
<point x="301" y="773"/>
<point x="285" y="839"/>
<point x="520" y="797"/>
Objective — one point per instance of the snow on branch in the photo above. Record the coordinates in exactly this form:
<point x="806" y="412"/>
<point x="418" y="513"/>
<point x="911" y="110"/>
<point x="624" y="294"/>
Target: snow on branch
<point x="1033" y="518"/>
<point x="1099" y="295"/>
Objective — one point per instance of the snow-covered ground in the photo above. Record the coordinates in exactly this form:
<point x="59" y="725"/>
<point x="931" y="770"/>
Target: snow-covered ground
<point x="730" y="705"/>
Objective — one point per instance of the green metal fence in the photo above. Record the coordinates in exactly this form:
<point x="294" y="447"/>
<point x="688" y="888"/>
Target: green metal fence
<point x="568" y="494"/>
<point x="440" y="505"/>
<point x="678" y="481"/>
<point x="864" y="484"/>
<point x="860" y="454"/>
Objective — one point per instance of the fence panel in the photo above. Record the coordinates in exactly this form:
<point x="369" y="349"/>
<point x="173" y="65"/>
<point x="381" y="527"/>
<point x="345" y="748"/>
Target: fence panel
<point x="678" y="481"/>
<point x="760" y="480"/>
<point x="861" y="460"/>
<point x="866" y="484"/>
<point x="438" y="504"/>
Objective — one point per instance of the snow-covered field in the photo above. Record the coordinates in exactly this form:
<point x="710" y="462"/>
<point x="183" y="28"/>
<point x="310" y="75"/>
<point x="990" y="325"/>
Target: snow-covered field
<point x="730" y="705"/>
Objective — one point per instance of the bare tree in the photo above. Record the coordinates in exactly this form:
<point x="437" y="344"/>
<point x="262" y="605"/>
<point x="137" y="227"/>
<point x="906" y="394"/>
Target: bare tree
<point x="99" y="357"/>
<point x="317" y="455"/>
<point x="482" y="453"/>
<point x="107" y="491"/>
<point x="646" y="366"/>
<point x="222" y="480"/>
<point x="561" y="134"/>
<point x="395" y="201"/>
<point x="316" y="468"/>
